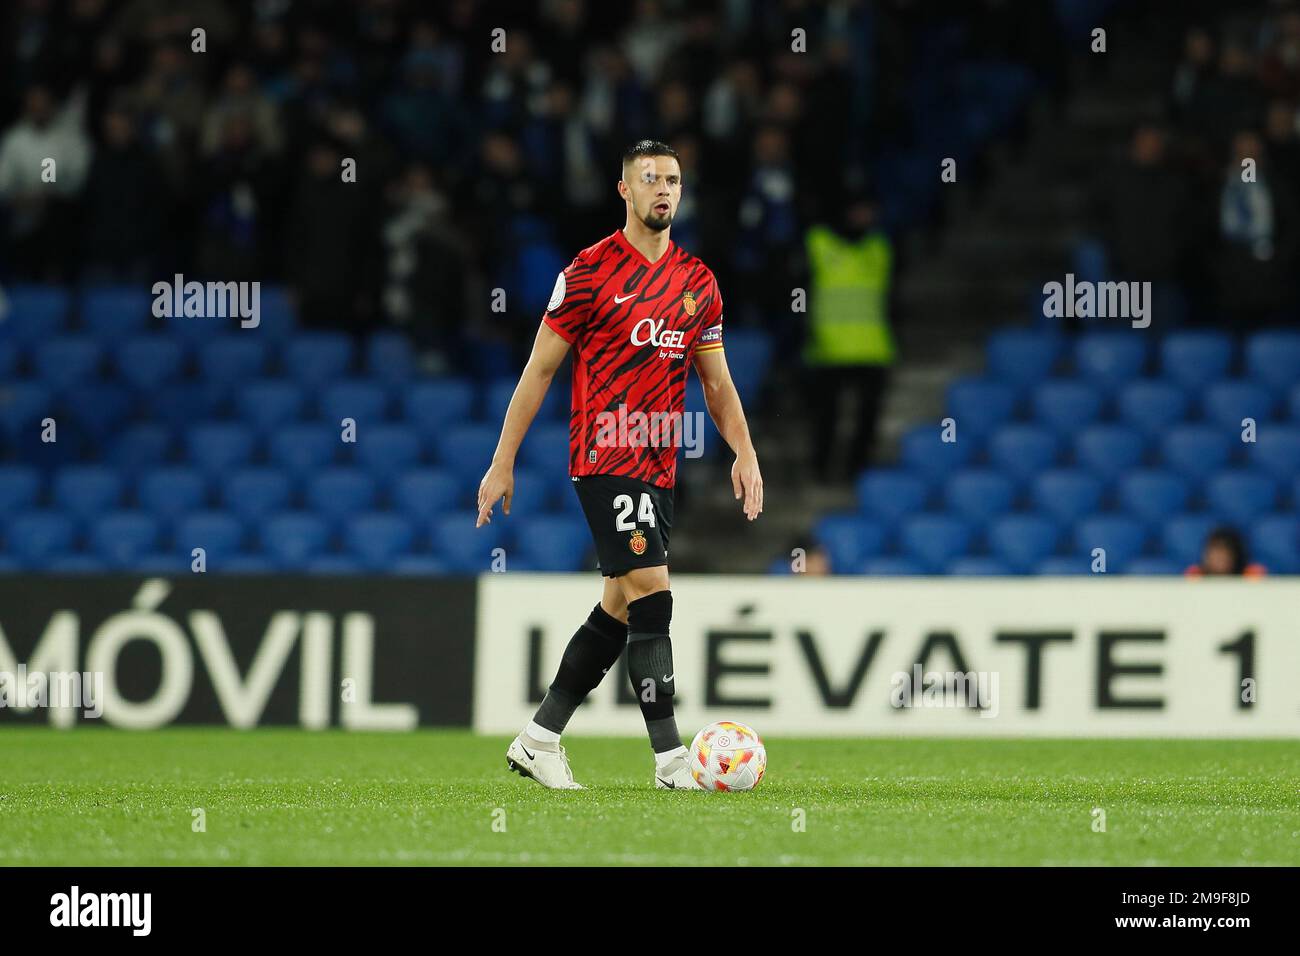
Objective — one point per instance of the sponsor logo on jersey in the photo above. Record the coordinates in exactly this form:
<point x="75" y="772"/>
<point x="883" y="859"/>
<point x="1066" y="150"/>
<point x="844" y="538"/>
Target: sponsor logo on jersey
<point x="652" y="332"/>
<point x="637" y="542"/>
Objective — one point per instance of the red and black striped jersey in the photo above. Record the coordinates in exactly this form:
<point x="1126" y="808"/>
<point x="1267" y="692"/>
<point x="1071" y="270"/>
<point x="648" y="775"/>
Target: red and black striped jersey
<point x="635" y="326"/>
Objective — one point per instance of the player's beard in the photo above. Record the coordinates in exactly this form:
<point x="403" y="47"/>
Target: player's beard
<point x="656" y="222"/>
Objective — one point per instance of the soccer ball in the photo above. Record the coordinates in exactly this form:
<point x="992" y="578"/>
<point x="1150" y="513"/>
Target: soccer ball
<point x="727" y="756"/>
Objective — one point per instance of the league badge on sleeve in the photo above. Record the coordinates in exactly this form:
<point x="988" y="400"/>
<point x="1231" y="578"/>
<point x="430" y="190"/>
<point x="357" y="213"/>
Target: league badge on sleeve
<point x="557" y="294"/>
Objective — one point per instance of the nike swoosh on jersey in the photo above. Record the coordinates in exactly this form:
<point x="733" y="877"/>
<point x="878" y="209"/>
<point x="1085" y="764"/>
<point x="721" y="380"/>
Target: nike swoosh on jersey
<point x="620" y="301"/>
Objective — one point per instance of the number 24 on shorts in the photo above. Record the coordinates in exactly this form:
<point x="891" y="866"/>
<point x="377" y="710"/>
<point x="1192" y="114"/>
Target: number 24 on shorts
<point x="645" y="512"/>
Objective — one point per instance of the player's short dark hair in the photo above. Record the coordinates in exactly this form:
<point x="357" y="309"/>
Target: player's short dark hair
<point x="648" y="147"/>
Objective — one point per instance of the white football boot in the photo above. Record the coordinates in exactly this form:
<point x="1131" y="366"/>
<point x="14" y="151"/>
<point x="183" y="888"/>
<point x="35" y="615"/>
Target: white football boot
<point x="548" y="764"/>
<point x="675" y="773"/>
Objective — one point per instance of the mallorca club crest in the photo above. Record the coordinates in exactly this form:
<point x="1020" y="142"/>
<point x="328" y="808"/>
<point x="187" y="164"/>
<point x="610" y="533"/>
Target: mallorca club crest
<point x="637" y="542"/>
<point x="688" y="302"/>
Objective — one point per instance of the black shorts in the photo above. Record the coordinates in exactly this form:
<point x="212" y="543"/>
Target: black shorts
<point x="629" y="521"/>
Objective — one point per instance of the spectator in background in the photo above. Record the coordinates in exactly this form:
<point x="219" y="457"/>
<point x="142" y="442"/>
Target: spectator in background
<point x="424" y="280"/>
<point x="1225" y="554"/>
<point x="330" y="257"/>
<point x="1255" y="258"/>
<point x="124" y="206"/>
<point x="850" y="345"/>
<point x="38" y="211"/>
<point x="769" y="230"/>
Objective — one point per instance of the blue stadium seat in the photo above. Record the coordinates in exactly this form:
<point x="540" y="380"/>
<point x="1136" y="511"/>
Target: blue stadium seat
<point x="171" y="492"/>
<point x="232" y="359"/>
<point x="532" y="495"/>
<point x="75" y="564"/>
<point x="554" y="543"/>
<point x="421" y="493"/>
<point x="365" y="402"/>
<point x="1023" y="541"/>
<point x="545" y="448"/>
<point x="36" y="313"/>
<point x="418" y="565"/>
<point x="462" y="547"/>
<point x="1184" y="536"/>
<point x="251" y="494"/>
<point x="1195" y="450"/>
<point x="19" y="488"/>
<point x="1226" y="403"/>
<point x="978" y="494"/>
<point x="1122" y="537"/>
<point x="23" y="405"/>
<point x="893" y="567"/>
<point x="1273" y="358"/>
<point x="1275" y="543"/>
<point x="97" y="410"/>
<point x="36" y="537"/>
<point x="1109" y="451"/>
<point x="1022" y="451"/>
<point x="1111" y="358"/>
<point x="121" y="538"/>
<point x="303" y="449"/>
<point x="219" y="534"/>
<point x="180" y="404"/>
<point x="1062" y="565"/>
<point x="278" y="318"/>
<point x="378" y="538"/>
<point x="1152" y="406"/>
<point x="1276" y="451"/>
<point x="9" y="355"/>
<point x="147" y="361"/>
<point x="340" y="493"/>
<point x="849" y="539"/>
<point x="1239" y="496"/>
<point x="142" y="446"/>
<point x="1293" y="404"/>
<point x="1195" y="359"/>
<point x="978" y="568"/>
<point x="435" y="406"/>
<point x="293" y="538"/>
<point x="270" y="403"/>
<point x="749" y="353"/>
<point x="1153" y="566"/>
<point x="466" y="450"/>
<point x="389" y="357"/>
<point x="246" y="564"/>
<point x="930" y="457"/>
<point x="1153" y="494"/>
<point x="1066" y="494"/>
<point x="386" y="450"/>
<point x="1023" y="357"/>
<point x="332" y="564"/>
<point x="113" y="313"/>
<point x="217" y="447"/>
<point x="979" y="405"/>
<point x="935" y="540"/>
<point x="67" y="360"/>
<point x="1066" y="405"/>
<point x="315" y="358"/>
<point x="891" y="494"/>
<point x="84" y="491"/>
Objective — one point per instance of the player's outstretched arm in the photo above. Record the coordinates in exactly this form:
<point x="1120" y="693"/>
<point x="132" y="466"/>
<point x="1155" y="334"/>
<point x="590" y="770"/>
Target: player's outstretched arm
<point x="498" y="483"/>
<point x="724" y="406"/>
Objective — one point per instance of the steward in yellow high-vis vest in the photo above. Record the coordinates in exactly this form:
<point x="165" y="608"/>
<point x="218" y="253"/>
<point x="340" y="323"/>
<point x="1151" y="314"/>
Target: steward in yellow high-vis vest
<point x="849" y="299"/>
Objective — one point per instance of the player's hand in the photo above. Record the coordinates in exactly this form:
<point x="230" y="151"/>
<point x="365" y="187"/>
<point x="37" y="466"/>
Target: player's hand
<point x="497" y="484"/>
<point x="747" y="481"/>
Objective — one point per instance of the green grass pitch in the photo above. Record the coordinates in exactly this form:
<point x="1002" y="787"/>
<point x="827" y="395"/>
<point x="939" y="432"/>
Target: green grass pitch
<point x="287" y="797"/>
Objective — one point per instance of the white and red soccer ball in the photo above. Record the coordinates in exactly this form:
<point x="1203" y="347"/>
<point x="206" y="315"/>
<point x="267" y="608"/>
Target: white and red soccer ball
<point x="727" y="756"/>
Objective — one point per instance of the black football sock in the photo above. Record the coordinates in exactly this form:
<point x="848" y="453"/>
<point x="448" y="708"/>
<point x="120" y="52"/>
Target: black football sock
<point x="592" y="651"/>
<point x="650" y="667"/>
